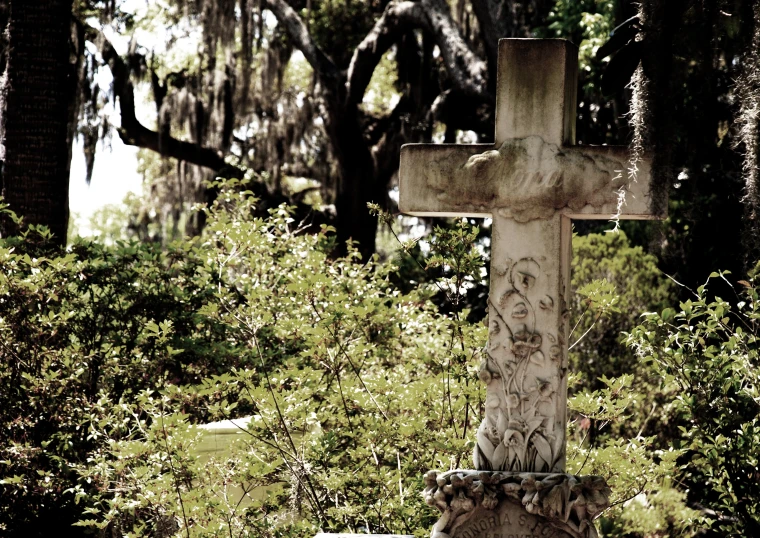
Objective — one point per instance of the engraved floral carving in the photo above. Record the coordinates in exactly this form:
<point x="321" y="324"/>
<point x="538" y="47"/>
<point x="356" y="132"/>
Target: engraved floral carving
<point x="521" y="367"/>
<point x="568" y="502"/>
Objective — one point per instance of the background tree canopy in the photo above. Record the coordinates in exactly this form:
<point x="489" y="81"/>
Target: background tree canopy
<point x="317" y="97"/>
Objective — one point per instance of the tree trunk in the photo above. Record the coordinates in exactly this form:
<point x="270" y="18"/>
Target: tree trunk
<point x="34" y="115"/>
<point x="357" y="184"/>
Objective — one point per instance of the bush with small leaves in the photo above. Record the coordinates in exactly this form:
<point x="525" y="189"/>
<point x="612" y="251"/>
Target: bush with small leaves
<point x="116" y="354"/>
<point x="708" y="350"/>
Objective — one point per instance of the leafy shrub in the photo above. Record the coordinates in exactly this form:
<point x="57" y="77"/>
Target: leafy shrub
<point x="115" y="355"/>
<point x="708" y="349"/>
<point x="78" y="336"/>
<point x="613" y="283"/>
<point x="620" y="416"/>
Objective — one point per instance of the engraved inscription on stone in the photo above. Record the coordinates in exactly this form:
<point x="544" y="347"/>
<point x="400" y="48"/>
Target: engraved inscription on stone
<point x="508" y="520"/>
<point x="525" y="179"/>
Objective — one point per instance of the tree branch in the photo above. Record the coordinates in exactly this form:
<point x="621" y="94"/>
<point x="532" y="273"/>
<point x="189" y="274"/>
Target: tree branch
<point x="488" y="31"/>
<point x="465" y="112"/>
<point x="467" y="71"/>
<point x="302" y="40"/>
<point x="387" y="30"/>
<point x="386" y="152"/>
<point x="134" y="133"/>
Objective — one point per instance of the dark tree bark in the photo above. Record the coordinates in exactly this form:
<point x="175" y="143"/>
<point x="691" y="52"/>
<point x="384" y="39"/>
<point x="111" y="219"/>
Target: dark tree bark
<point x="35" y="105"/>
<point x="364" y="168"/>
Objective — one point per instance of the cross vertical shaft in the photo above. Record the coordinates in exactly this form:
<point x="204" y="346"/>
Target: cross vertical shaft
<point x="526" y="357"/>
<point x="525" y="362"/>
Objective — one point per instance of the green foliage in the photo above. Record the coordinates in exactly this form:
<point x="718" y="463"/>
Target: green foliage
<point x="708" y="350"/>
<point x="587" y="23"/>
<point x="113" y="222"/>
<point x="382" y="94"/>
<point x="455" y="253"/>
<point x="663" y="513"/>
<point x="77" y="332"/>
<point x="114" y="353"/>
<point x="338" y="26"/>
<point x="613" y="283"/>
<point x="619" y="413"/>
<point x="298" y="74"/>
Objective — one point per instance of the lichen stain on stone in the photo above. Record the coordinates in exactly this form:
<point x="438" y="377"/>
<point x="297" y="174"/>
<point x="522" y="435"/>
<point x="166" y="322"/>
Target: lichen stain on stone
<point x="526" y="179"/>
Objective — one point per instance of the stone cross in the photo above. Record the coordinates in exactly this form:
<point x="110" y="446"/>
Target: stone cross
<point x="532" y="181"/>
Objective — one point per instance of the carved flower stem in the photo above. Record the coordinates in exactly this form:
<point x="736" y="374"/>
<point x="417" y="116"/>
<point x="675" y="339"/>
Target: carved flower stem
<point x="504" y="380"/>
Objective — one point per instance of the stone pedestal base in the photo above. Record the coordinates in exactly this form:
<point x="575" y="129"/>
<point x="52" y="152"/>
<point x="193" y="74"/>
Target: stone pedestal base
<point x="493" y="504"/>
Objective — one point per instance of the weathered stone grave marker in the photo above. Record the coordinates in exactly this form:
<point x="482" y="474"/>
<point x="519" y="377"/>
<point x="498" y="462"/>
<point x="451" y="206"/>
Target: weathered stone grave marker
<point x="532" y="182"/>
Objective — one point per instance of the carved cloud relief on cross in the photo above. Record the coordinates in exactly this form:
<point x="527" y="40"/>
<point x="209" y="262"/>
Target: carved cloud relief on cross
<point x="526" y="179"/>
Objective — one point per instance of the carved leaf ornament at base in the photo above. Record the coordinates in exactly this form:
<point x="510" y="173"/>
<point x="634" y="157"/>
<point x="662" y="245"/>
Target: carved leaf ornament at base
<point x="568" y="503"/>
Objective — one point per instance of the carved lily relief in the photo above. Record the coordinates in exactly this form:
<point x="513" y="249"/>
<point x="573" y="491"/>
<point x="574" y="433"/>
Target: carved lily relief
<point x="520" y="367"/>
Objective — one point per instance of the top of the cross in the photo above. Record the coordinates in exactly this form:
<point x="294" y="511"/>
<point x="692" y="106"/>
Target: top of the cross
<point x="533" y="170"/>
<point x="536" y="90"/>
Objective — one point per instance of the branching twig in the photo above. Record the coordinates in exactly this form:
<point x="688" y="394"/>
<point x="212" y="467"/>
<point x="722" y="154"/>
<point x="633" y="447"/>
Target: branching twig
<point x="174" y="473"/>
<point x="316" y="503"/>
<point x="621" y="501"/>
<point x="342" y="350"/>
<point x="134" y="133"/>
<point x="598" y="317"/>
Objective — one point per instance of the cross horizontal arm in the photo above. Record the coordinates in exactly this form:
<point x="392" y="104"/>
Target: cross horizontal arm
<point x="524" y="179"/>
<point x="415" y="179"/>
<point x="634" y="186"/>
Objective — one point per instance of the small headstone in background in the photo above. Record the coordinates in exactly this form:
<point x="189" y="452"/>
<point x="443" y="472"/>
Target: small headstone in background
<point x="217" y="441"/>
<point x="218" y="436"/>
<point x="349" y="535"/>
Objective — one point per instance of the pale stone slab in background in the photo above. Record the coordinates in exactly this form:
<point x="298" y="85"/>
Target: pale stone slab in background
<point x="349" y="535"/>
